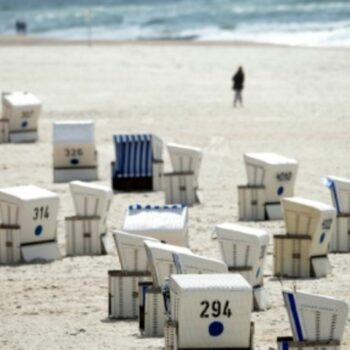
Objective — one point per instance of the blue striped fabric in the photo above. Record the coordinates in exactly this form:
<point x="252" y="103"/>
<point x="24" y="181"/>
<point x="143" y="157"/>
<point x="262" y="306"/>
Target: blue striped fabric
<point x="291" y="305"/>
<point x="134" y="155"/>
<point x="156" y="207"/>
<point x="331" y="185"/>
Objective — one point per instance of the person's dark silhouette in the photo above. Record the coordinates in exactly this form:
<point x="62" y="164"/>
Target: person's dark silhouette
<point x="238" y="85"/>
<point x="21" y="27"/>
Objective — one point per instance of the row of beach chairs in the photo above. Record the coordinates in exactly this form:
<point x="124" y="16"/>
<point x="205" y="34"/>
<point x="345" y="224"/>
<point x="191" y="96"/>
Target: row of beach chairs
<point x="194" y="302"/>
<point x="191" y="300"/>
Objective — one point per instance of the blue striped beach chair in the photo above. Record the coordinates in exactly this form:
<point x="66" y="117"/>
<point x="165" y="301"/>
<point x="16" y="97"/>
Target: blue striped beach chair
<point x="138" y="165"/>
<point x="316" y="321"/>
<point x="340" y="192"/>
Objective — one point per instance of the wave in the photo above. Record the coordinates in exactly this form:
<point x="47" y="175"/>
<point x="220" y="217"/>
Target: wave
<point x="298" y="22"/>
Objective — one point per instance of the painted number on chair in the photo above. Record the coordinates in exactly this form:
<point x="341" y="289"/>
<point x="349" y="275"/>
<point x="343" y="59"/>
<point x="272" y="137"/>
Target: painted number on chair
<point x="73" y="152"/>
<point x="215" y="309"/>
<point x="41" y="213"/>
<point x="284" y="176"/>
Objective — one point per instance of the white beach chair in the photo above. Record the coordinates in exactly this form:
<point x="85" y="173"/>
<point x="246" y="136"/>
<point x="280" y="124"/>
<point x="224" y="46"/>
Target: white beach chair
<point x="340" y="192"/>
<point x="86" y="228"/>
<point x="29" y="218"/>
<point x="123" y="285"/>
<point x="271" y="177"/>
<point x="181" y="185"/>
<point x="162" y="264"/>
<point x="302" y="251"/>
<point x="74" y="153"/>
<point x="21" y="110"/>
<point x="244" y="250"/>
<point x="317" y="322"/>
<point x="165" y="260"/>
<point x="167" y="223"/>
<point x="139" y="163"/>
<point x="209" y="312"/>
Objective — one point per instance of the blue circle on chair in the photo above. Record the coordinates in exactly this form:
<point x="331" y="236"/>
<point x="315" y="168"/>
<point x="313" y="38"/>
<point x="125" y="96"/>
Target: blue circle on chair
<point x="280" y="190"/>
<point x="24" y="124"/>
<point x="322" y="237"/>
<point x="38" y="230"/>
<point x="74" y="161"/>
<point x="257" y="272"/>
<point x="216" y="328"/>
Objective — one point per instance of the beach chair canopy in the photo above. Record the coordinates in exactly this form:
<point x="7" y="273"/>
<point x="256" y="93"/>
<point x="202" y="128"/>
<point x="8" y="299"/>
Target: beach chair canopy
<point x="135" y="154"/>
<point x="162" y="259"/>
<point x="91" y="199"/>
<point x="131" y="251"/>
<point x="187" y="264"/>
<point x="73" y="132"/>
<point x="20" y="99"/>
<point x="166" y="222"/>
<point x="340" y="192"/>
<point x="185" y="158"/>
<point x="277" y="173"/>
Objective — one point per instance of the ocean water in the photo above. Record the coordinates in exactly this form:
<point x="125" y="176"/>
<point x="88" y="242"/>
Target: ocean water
<point x="291" y="22"/>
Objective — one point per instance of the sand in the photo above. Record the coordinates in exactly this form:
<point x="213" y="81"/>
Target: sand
<point x="297" y="103"/>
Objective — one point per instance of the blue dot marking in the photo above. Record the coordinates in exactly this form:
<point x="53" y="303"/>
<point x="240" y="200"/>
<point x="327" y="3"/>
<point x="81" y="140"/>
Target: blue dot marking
<point x="24" y="124"/>
<point x="322" y="237"/>
<point x="280" y="190"/>
<point x="216" y="328"/>
<point x="74" y="161"/>
<point x="38" y="230"/>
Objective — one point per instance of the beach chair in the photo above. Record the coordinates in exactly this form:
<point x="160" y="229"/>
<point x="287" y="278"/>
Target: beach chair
<point x="28" y="223"/>
<point x="74" y="153"/>
<point x="123" y="284"/>
<point x="165" y="260"/>
<point x="244" y="250"/>
<point x="317" y="322"/>
<point x="181" y="185"/>
<point x="208" y="312"/>
<point x="139" y="163"/>
<point x="302" y="251"/>
<point x="340" y="192"/>
<point x="20" y="112"/>
<point x="271" y="177"/>
<point x="89" y="224"/>
<point x="167" y="223"/>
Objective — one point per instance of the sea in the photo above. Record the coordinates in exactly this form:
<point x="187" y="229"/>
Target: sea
<point x="289" y="22"/>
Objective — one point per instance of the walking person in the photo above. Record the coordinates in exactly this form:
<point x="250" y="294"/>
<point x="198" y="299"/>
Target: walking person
<point x="238" y="84"/>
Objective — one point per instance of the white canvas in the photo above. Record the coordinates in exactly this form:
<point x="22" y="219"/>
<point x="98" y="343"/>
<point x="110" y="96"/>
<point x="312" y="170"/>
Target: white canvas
<point x="131" y="251"/>
<point x="165" y="223"/>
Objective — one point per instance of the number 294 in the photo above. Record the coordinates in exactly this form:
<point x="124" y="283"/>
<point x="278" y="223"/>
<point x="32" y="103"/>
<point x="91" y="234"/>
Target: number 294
<point x="215" y="309"/>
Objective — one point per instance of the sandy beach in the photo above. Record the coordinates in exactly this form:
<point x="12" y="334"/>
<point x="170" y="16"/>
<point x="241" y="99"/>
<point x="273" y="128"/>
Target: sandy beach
<point x="297" y="103"/>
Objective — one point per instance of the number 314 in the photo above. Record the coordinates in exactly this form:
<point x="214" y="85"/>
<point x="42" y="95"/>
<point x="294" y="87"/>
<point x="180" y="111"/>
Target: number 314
<point x="215" y="309"/>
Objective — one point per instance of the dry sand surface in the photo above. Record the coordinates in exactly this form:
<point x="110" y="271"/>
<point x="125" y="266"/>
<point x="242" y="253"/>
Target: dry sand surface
<point x="297" y="103"/>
